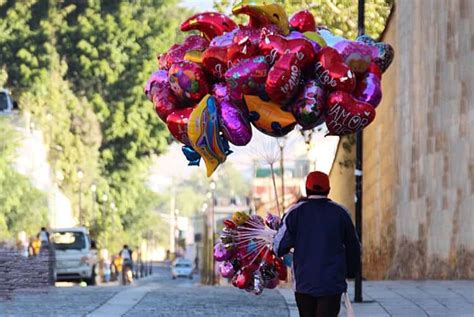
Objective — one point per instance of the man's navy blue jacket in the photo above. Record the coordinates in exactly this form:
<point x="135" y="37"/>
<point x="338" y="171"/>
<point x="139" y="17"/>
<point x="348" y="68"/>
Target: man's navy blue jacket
<point x="326" y="247"/>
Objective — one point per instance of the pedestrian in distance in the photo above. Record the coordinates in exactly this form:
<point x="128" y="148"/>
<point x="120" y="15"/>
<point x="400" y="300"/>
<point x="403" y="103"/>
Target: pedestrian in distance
<point x="326" y="248"/>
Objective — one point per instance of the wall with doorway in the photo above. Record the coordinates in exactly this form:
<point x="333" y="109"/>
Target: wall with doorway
<point x="419" y="152"/>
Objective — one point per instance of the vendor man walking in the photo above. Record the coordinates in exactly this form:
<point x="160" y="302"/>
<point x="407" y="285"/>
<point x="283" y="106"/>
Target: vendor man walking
<point x="326" y="249"/>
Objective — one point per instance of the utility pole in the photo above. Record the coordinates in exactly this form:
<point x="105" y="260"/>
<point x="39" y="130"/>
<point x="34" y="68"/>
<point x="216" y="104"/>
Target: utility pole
<point x="172" y="220"/>
<point x="358" y="172"/>
<point x="281" y="144"/>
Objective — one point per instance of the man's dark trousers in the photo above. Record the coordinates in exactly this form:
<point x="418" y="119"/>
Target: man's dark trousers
<point x="323" y="306"/>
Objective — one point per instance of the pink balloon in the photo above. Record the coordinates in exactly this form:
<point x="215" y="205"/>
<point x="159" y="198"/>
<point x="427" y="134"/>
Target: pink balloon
<point x="356" y="55"/>
<point x="369" y="89"/>
<point x="247" y="78"/>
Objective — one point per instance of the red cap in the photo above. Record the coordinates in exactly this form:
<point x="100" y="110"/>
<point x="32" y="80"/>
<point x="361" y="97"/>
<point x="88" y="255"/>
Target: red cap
<point x="317" y="182"/>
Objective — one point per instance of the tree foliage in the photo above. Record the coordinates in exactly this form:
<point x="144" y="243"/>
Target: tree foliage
<point x="79" y="66"/>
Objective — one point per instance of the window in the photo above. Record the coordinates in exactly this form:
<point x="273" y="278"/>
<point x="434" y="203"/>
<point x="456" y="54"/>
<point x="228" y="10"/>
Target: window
<point x="68" y="240"/>
<point x="3" y="101"/>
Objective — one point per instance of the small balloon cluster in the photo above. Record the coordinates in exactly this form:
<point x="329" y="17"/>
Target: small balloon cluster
<point x="245" y="250"/>
<point x="273" y="73"/>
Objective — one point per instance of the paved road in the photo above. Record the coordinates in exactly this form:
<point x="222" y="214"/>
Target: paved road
<point x="159" y="295"/>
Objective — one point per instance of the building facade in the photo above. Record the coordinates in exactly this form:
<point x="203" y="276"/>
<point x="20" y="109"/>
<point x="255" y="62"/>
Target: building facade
<point x="418" y="203"/>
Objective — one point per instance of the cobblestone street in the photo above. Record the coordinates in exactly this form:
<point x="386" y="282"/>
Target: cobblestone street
<point x="159" y="295"/>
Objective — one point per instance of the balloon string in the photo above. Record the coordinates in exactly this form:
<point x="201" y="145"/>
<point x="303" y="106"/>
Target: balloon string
<point x="256" y="251"/>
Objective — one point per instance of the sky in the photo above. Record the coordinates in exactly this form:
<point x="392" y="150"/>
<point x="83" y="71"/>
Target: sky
<point x="200" y="5"/>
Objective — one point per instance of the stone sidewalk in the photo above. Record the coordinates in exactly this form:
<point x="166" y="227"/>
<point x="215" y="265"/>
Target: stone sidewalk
<point x="408" y="299"/>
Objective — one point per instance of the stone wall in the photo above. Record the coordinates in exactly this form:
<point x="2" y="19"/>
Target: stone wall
<point x="19" y="272"/>
<point x="419" y="152"/>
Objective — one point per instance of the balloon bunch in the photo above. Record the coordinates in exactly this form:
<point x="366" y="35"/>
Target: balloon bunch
<point x="245" y="250"/>
<point x="273" y="73"/>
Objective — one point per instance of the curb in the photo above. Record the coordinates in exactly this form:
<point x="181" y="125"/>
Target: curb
<point x="289" y="297"/>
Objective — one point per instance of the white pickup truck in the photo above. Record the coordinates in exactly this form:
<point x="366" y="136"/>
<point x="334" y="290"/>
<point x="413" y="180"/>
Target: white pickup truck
<point x="76" y="257"/>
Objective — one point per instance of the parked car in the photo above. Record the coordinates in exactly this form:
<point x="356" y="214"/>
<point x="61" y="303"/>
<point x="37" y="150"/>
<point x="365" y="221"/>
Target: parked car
<point x="182" y="267"/>
<point x="76" y="256"/>
<point x="7" y="104"/>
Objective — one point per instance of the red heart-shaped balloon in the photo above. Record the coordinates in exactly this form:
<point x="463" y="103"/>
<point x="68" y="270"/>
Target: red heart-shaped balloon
<point x="177" y="123"/>
<point x="303" y="21"/>
<point x="332" y="72"/>
<point x="273" y="46"/>
<point x="241" y="50"/>
<point x="177" y="52"/>
<point x="242" y="279"/>
<point x="164" y="101"/>
<point x="280" y="268"/>
<point x="346" y="115"/>
<point x="230" y="224"/>
<point x="214" y="61"/>
<point x="283" y="79"/>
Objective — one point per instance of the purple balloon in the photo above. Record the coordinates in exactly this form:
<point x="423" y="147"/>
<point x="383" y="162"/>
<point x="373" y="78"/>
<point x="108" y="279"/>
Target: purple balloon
<point x="272" y="221"/>
<point x="227" y="269"/>
<point x="221" y="253"/>
<point x="157" y="78"/>
<point x="369" y="89"/>
<point x="235" y="127"/>
<point x="308" y="108"/>
<point x="248" y="77"/>
<point x="356" y="55"/>
<point x="220" y="92"/>
<point x="225" y="39"/>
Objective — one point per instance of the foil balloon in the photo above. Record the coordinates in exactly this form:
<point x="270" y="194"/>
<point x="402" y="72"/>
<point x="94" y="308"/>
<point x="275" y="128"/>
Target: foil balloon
<point x="192" y="156"/>
<point x="225" y="39"/>
<point x="188" y="81"/>
<point x="272" y="221"/>
<point x="328" y="37"/>
<point x="215" y="61"/>
<point x="221" y="253"/>
<point x="346" y="115"/>
<point x="230" y="224"/>
<point x="242" y="279"/>
<point x="369" y="89"/>
<point x="384" y="54"/>
<point x="303" y="21"/>
<point x="312" y="37"/>
<point x="332" y="72"/>
<point x="280" y="269"/>
<point x="203" y="132"/>
<point x="178" y="52"/>
<point x="158" y="78"/>
<point x="247" y="78"/>
<point x="263" y="13"/>
<point x="220" y="92"/>
<point x="375" y="70"/>
<point x="309" y="106"/>
<point x="211" y="24"/>
<point x="195" y="56"/>
<point x="177" y="123"/>
<point x="273" y="46"/>
<point x="268" y="117"/>
<point x="164" y="101"/>
<point x="238" y="51"/>
<point x="234" y="126"/>
<point x="356" y="55"/>
<point x="248" y="33"/>
<point x="240" y="217"/>
<point x="226" y="269"/>
<point x="283" y="79"/>
<point x="257" y="284"/>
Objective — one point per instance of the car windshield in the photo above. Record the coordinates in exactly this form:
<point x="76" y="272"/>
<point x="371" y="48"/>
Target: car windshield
<point x="3" y="101"/>
<point x="68" y="240"/>
<point x="182" y="265"/>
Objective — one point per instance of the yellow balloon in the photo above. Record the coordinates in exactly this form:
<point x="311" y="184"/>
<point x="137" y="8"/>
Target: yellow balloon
<point x="194" y="56"/>
<point x="240" y="217"/>
<point x="203" y="133"/>
<point x="268" y="117"/>
<point x="316" y="37"/>
<point x="262" y="13"/>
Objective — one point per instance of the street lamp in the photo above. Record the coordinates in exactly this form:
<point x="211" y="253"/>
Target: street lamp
<point x="80" y="176"/>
